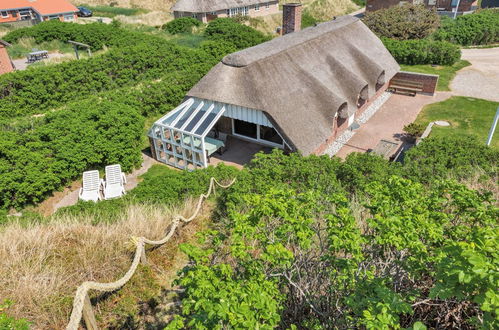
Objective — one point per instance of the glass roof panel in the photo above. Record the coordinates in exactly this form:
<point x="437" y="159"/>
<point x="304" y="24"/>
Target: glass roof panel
<point x="208" y="122"/>
<point x="185" y="116"/>
<point x="172" y="116"/>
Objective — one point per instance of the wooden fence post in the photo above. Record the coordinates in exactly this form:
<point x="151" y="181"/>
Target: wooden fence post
<point x="88" y="314"/>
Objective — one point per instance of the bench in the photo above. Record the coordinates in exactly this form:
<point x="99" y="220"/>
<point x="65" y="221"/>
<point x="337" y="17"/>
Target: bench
<point x="405" y="86"/>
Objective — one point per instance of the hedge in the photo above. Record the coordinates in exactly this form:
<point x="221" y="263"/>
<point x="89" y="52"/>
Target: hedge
<point x="228" y="30"/>
<point x="40" y="155"/>
<point x="423" y="51"/>
<point x="181" y="25"/>
<point x="480" y="28"/>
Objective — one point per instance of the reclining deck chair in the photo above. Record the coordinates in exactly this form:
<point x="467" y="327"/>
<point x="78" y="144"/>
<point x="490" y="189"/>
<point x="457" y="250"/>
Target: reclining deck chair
<point x="114" y="185"/>
<point x="91" y="186"/>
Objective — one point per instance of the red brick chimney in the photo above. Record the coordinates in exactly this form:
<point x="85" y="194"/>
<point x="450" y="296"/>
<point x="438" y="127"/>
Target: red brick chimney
<point x="291" y="17"/>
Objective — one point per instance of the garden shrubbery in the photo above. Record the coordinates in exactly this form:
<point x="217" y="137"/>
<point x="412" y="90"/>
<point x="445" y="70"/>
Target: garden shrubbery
<point x="40" y="155"/>
<point x="228" y="30"/>
<point x="403" y="22"/>
<point x="181" y="25"/>
<point x="480" y="28"/>
<point x="423" y="51"/>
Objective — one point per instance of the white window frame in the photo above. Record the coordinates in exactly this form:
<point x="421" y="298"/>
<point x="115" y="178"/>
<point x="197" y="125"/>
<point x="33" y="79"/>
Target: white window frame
<point x="267" y="5"/>
<point x="5" y="14"/>
<point x="70" y="16"/>
<point x="258" y="140"/>
<point x="244" y="11"/>
<point x="257" y="7"/>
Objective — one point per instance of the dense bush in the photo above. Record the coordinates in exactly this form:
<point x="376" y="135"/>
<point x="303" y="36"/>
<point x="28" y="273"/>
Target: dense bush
<point x="181" y="25"/>
<point x="308" y="20"/>
<point x="403" y="22"/>
<point x="291" y="250"/>
<point x="228" y="30"/>
<point x="34" y="91"/>
<point x="7" y="322"/>
<point x="480" y="28"/>
<point x="95" y="34"/>
<point x="39" y="156"/>
<point x="458" y="157"/>
<point x="423" y="51"/>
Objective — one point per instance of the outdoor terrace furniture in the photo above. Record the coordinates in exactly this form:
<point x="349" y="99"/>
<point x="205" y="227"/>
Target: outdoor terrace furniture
<point x="114" y="185"/>
<point x="91" y="186"/>
<point x="211" y="145"/>
<point x="37" y="55"/>
<point x="409" y="87"/>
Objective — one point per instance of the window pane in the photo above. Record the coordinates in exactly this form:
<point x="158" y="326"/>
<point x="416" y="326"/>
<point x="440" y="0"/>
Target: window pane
<point x="244" y="128"/>
<point x="270" y="134"/>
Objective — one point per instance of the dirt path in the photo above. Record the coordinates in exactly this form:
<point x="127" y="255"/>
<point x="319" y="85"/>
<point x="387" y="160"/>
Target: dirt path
<point x="22" y="64"/>
<point x="69" y="196"/>
<point x="481" y="79"/>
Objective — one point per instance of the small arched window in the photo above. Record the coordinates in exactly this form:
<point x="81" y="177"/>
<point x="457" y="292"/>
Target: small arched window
<point x="363" y="96"/>
<point x="381" y="80"/>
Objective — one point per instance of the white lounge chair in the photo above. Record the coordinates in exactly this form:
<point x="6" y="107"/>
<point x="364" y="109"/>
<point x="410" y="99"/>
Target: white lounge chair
<point x="114" y="185"/>
<point x="91" y="186"/>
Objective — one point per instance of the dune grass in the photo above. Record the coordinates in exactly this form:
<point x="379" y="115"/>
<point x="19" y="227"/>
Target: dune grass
<point x="111" y="11"/>
<point x="447" y="73"/>
<point x="26" y="45"/>
<point x="467" y="116"/>
<point x="42" y="264"/>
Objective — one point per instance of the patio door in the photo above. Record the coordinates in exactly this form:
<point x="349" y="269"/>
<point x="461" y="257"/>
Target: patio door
<point x="245" y="129"/>
<point x="258" y="133"/>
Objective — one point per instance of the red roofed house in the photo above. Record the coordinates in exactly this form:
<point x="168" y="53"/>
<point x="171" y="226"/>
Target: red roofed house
<point x="5" y="62"/>
<point x="37" y="10"/>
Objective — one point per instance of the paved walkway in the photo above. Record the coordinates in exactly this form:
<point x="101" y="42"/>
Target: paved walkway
<point x="22" y="64"/>
<point x="69" y="196"/>
<point x="481" y="79"/>
<point x="389" y="121"/>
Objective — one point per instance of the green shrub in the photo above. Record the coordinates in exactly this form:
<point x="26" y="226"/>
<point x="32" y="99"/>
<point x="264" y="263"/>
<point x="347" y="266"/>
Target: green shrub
<point x="423" y="51"/>
<point x="403" y="22"/>
<point x="181" y="25"/>
<point x="436" y="157"/>
<point x="228" y="30"/>
<point x="414" y="129"/>
<point x="61" y="145"/>
<point x="480" y="28"/>
<point x="217" y="49"/>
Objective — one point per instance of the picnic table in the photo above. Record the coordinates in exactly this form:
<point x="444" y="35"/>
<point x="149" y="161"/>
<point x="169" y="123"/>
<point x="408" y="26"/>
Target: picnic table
<point x="37" y="56"/>
<point x="210" y="145"/>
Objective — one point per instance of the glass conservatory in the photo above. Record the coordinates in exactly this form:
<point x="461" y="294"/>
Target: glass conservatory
<point x="180" y="138"/>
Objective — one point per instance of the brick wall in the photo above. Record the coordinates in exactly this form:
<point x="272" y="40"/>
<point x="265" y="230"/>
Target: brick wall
<point x="429" y="81"/>
<point x="291" y="17"/>
<point x="5" y="63"/>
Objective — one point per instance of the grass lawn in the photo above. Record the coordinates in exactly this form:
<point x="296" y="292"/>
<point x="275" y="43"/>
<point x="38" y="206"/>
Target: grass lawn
<point x="26" y="45"/>
<point x="467" y="116"/>
<point x="446" y="73"/>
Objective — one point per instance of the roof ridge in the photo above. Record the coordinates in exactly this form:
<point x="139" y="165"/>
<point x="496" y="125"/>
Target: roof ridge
<point x="278" y="45"/>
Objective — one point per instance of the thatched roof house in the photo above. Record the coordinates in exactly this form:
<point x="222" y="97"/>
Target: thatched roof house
<point x="301" y="80"/>
<point x="206" y="10"/>
<point x="296" y="92"/>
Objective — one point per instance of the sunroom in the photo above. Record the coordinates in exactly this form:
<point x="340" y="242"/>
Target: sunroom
<point x="188" y="136"/>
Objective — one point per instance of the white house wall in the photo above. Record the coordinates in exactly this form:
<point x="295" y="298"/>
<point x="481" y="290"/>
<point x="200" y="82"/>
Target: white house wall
<point x="241" y="113"/>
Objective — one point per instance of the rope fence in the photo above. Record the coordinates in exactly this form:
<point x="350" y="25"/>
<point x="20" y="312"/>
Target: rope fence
<point x="82" y="307"/>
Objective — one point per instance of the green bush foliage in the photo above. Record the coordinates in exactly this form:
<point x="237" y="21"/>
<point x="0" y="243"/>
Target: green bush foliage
<point x="423" y="51"/>
<point x="40" y="156"/>
<point x="95" y="34"/>
<point x="181" y="25"/>
<point x="480" y="28"/>
<point x="308" y="20"/>
<point x="403" y="22"/>
<point x="319" y="241"/>
<point x="228" y="30"/>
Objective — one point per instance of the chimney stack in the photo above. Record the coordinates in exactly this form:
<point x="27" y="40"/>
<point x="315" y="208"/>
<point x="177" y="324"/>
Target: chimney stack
<point x="291" y="17"/>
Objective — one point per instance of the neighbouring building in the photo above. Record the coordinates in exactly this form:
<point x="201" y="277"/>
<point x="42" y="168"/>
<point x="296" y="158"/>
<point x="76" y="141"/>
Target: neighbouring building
<point x="439" y="5"/>
<point x="489" y="4"/>
<point x="36" y="11"/>
<point x="206" y="11"/>
<point x="5" y="62"/>
<point x="297" y="92"/>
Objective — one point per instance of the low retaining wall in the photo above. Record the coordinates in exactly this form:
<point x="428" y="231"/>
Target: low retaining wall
<point x="429" y="81"/>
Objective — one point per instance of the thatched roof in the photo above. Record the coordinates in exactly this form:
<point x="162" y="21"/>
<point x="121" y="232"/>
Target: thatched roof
<point x="302" y="79"/>
<point x="205" y="6"/>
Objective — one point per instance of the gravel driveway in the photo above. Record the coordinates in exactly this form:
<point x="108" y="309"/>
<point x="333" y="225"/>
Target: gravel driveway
<point x="481" y="79"/>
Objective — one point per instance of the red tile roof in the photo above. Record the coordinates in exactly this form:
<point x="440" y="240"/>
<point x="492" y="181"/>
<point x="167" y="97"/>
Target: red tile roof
<point x="43" y="7"/>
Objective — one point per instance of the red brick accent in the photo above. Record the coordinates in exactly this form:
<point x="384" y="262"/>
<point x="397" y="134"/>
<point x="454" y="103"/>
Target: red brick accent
<point x="5" y="63"/>
<point x="291" y="17"/>
<point x="343" y="124"/>
<point x="429" y="81"/>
